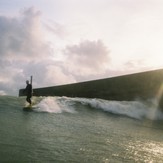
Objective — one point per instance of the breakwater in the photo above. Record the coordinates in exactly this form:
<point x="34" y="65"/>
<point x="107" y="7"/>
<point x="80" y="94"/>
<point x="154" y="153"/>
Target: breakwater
<point x="143" y="86"/>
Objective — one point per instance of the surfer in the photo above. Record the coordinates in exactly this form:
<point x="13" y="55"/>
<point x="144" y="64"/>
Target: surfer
<point x="28" y="91"/>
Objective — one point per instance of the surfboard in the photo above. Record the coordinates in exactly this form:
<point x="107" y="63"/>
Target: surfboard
<point x="29" y="108"/>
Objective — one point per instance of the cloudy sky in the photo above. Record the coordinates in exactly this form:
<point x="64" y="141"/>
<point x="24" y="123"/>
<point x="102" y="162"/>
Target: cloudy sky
<point x="67" y="41"/>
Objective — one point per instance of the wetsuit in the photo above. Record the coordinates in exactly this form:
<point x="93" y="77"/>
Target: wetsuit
<point x="28" y="91"/>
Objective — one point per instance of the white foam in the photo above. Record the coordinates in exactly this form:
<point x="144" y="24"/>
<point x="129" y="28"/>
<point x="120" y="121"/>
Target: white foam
<point x="53" y="105"/>
<point x="133" y="109"/>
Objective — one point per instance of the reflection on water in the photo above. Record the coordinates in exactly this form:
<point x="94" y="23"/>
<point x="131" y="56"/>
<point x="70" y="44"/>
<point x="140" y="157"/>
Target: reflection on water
<point x="79" y="130"/>
<point x="146" y="152"/>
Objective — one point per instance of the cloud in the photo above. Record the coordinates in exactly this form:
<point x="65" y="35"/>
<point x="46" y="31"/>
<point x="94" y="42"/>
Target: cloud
<point x="25" y="51"/>
<point x="47" y="73"/>
<point x="87" y="57"/>
<point x="62" y="77"/>
<point x="56" y="29"/>
<point x="131" y="65"/>
<point x="22" y="37"/>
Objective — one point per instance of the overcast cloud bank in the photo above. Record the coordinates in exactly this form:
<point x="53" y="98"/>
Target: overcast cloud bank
<point x="25" y="51"/>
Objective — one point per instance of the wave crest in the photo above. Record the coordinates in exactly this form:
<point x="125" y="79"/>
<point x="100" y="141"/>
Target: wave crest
<point x="133" y="109"/>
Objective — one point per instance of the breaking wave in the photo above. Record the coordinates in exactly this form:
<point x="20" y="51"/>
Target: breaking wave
<point x="132" y="109"/>
<point x="54" y="105"/>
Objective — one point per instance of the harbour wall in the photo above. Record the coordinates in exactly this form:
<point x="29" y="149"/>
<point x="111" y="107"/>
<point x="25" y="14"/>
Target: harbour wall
<point x="141" y="86"/>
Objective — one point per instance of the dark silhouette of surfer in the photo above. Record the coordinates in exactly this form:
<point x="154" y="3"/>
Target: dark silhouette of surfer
<point x="28" y="91"/>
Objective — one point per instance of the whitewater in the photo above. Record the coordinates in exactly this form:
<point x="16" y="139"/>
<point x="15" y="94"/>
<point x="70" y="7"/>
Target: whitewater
<point x="63" y="129"/>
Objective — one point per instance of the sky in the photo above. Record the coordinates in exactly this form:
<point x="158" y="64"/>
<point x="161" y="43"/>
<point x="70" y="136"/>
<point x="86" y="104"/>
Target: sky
<point x="68" y="41"/>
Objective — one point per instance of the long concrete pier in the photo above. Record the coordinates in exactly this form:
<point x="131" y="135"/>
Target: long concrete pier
<point x="142" y="86"/>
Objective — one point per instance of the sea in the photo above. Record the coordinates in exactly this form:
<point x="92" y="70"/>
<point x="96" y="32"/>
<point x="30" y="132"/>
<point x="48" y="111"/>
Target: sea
<point x="80" y="130"/>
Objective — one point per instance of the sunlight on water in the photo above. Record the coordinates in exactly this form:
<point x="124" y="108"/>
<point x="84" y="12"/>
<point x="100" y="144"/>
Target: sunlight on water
<point x="146" y="152"/>
<point x="63" y="129"/>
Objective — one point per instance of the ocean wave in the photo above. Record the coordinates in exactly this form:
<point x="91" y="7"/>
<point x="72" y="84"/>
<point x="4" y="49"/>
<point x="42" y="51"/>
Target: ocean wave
<point x="54" y="105"/>
<point x="133" y="109"/>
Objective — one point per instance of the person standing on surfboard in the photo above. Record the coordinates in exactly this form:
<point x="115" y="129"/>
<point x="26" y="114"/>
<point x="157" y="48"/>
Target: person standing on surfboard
<point x="28" y="91"/>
